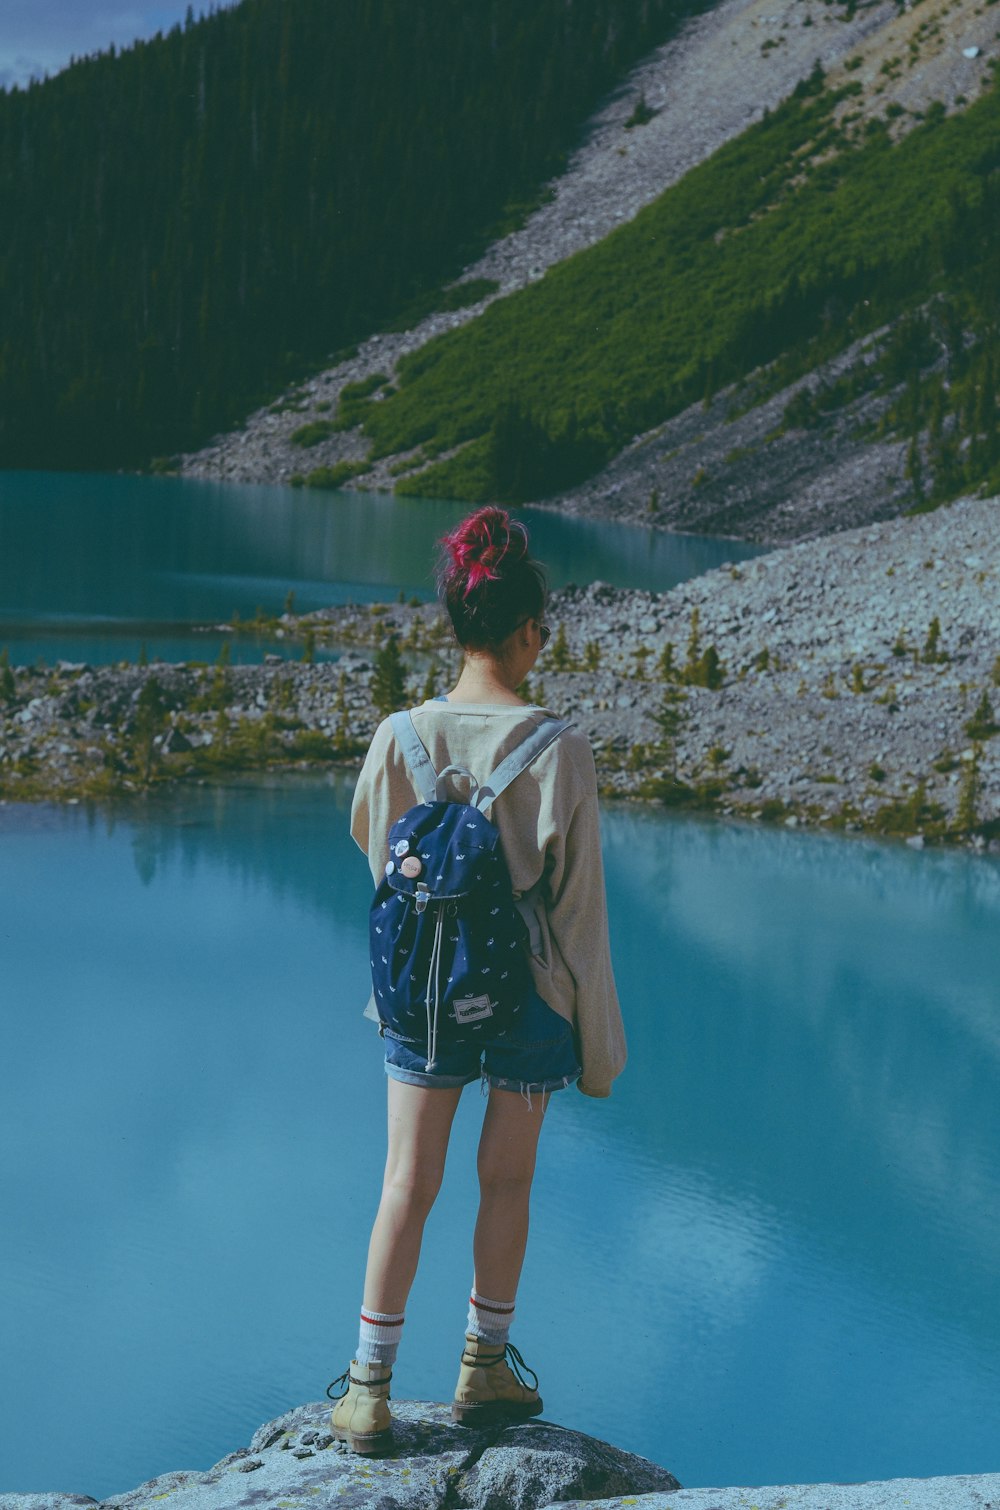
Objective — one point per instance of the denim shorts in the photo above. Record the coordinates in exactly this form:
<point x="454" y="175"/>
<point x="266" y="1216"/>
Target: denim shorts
<point x="539" y="1054"/>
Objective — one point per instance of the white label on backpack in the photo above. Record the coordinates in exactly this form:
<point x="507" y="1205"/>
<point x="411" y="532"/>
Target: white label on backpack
<point x="472" y="1008"/>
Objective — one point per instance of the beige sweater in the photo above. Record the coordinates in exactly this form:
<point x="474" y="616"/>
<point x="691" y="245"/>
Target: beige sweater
<point x="548" y="824"/>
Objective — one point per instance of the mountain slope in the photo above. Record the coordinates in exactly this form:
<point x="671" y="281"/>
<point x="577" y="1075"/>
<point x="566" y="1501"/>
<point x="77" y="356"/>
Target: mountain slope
<point x="602" y="387"/>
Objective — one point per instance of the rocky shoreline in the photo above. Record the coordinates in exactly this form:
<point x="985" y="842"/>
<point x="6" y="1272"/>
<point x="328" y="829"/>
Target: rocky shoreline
<point x="851" y="682"/>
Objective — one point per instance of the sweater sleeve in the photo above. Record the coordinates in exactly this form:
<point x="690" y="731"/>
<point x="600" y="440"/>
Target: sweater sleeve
<point x="371" y="807"/>
<point x="578" y="919"/>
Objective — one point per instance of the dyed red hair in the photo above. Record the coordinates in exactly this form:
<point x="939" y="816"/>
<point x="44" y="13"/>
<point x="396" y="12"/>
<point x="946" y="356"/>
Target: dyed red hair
<point x="479" y="546"/>
<point x="487" y="580"/>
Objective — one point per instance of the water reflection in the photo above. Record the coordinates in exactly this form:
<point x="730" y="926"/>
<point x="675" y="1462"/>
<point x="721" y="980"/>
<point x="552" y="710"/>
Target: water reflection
<point x="835" y="998"/>
<point x="798" y="1173"/>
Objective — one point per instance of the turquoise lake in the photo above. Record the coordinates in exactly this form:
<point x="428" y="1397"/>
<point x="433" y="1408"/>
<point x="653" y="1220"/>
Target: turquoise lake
<point x="94" y="567"/>
<point x="783" y="1220"/>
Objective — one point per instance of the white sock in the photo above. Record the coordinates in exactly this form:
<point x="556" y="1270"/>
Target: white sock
<point x="379" y="1338"/>
<point x="490" y="1319"/>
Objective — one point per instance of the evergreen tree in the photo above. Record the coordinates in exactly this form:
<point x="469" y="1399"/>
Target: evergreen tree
<point x="430" y="686"/>
<point x="150" y="720"/>
<point x="669" y="719"/>
<point x="388" y="683"/>
<point x="983" y="724"/>
<point x="559" y="655"/>
<point x="967" y="815"/>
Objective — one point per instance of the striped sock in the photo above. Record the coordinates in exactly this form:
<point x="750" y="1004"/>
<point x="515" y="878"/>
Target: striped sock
<point x="379" y="1338"/>
<point x="490" y="1319"/>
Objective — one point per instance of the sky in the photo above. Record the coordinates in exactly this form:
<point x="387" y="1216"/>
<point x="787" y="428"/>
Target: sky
<point x="40" y="36"/>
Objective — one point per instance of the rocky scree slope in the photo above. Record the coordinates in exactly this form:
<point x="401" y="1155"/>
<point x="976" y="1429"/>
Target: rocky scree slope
<point x="738" y="469"/>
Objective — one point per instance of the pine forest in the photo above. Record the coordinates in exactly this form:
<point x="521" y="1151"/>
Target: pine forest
<point x="193" y="222"/>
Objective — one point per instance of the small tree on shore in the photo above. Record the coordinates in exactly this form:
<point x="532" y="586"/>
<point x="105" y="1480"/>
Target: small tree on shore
<point x="668" y="719"/>
<point x="967" y="816"/>
<point x="559" y="654"/>
<point x="219" y="693"/>
<point x="388" y="684"/>
<point x="150" y="720"/>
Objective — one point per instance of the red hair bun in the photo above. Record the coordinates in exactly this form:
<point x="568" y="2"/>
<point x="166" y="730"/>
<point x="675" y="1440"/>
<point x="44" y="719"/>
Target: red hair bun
<point x="481" y="546"/>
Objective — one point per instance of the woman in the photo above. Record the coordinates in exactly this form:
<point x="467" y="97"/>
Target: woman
<point x="568" y="1031"/>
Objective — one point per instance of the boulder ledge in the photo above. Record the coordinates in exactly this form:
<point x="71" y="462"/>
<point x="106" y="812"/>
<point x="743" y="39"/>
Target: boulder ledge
<point x="293" y="1461"/>
<point x="435" y="1465"/>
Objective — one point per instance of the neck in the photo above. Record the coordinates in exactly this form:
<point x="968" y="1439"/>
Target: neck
<point x="484" y="679"/>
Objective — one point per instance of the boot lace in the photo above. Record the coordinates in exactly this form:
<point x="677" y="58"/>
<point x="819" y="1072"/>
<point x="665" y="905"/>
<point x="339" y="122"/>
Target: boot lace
<point x="347" y="1379"/>
<point x="511" y="1356"/>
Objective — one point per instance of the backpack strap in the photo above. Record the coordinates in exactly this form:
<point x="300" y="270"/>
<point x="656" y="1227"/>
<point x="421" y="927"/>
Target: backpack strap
<point x="429" y="784"/>
<point x="425" y="777"/>
<point x="518" y="760"/>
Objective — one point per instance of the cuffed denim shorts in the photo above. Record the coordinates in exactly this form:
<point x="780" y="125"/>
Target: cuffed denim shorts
<point x="538" y="1055"/>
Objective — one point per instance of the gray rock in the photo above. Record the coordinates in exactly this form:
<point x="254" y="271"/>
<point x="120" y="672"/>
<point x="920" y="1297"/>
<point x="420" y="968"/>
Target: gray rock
<point x="957" y="1492"/>
<point x="434" y="1464"/>
<point x="525" y="1466"/>
<point x="175" y="742"/>
<point x="43" y="1501"/>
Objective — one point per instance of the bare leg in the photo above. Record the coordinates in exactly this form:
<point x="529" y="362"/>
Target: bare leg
<point x="506" y="1167"/>
<point x="419" y="1127"/>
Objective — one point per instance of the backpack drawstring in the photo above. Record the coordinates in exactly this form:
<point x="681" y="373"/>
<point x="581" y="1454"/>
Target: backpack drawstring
<point x="434" y="986"/>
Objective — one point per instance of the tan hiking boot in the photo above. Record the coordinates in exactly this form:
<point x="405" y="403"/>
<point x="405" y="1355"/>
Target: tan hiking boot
<point x="361" y="1415"/>
<point x="489" y="1390"/>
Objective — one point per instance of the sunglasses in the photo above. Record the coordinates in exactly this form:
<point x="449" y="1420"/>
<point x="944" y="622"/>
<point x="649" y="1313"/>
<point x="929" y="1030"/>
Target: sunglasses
<point x="544" y="632"/>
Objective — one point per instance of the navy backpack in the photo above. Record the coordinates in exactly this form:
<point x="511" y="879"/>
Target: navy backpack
<point x="449" y="963"/>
